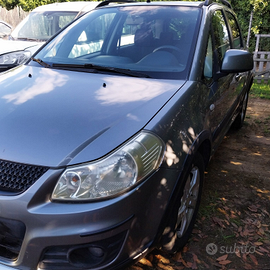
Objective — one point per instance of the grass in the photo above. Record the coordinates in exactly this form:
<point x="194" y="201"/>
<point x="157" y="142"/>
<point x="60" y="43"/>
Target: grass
<point x="260" y="90"/>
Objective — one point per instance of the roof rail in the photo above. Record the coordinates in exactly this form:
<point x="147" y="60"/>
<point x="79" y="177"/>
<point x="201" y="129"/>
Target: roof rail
<point x="224" y="2"/>
<point x="107" y="2"/>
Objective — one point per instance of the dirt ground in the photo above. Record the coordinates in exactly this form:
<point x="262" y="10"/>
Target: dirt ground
<point x="233" y="226"/>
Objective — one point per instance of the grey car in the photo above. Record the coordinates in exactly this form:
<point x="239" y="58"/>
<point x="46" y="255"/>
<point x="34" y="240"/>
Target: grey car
<point x="107" y="130"/>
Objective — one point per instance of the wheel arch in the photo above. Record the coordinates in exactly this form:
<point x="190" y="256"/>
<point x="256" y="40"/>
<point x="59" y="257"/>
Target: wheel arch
<point x="202" y="145"/>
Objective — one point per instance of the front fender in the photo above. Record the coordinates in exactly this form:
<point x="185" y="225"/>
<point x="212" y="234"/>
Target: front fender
<point x="182" y="124"/>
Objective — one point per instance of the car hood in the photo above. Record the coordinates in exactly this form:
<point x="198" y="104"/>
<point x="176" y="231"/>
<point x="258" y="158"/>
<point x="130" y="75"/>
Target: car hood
<point x="7" y="46"/>
<point x="56" y="118"/>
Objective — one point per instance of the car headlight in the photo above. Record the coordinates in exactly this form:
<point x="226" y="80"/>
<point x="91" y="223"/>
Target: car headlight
<point x="14" y="58"/>
<point x="112" y="175"/>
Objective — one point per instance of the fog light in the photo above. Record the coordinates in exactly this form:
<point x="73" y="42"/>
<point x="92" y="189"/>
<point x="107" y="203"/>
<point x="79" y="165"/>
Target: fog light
<point x="96" y="251"/>
<point x="85" y="256"/>
<point x="95" y="255"/>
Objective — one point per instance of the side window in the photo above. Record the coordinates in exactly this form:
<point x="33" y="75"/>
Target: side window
<point x="221" y="35"/>
<point x="91" y="38"/>
<point x="64" y="19"/>
<point x="237" y="40"/>
<point x="208" y="62"/>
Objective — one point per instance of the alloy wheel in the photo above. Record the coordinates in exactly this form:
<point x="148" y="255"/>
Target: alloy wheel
<point x="188" y="201"/>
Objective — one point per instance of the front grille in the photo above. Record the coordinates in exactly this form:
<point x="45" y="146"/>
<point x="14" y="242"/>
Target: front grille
<point x="16" y="177"/>
<point x="11" y="237"/>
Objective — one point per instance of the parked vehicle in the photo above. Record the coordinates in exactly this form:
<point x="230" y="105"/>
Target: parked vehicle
<point x="5" y="29"/>
<point x="107" y="130"/>
<point x="39" y="26"/>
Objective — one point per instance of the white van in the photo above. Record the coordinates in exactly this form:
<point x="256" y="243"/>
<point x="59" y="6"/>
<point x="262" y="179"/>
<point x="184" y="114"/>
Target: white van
<point x="39" y="26"/>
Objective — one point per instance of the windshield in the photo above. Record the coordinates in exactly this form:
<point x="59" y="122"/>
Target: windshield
<point x="156" y="41"/>
<point x="40" y="26"/>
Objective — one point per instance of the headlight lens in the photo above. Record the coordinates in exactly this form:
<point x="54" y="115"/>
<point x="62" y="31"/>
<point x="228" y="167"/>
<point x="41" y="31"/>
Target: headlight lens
<point x="14" y="58"/>
<point x="114" y="174"/>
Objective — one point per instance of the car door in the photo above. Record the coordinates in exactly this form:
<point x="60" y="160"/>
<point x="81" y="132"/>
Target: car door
<point x="223" y="89"/>
<point x="236" y="43"/>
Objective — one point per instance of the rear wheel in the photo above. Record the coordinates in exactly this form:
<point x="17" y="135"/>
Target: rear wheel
<point x="189" y="200"/>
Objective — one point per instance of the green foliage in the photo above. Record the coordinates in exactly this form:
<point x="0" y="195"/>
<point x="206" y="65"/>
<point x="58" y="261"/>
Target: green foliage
<point x="260" y="22"/>
<point x="9" y="4"/>
<point x="260" y="90"/>
<point x="28" y="5"/>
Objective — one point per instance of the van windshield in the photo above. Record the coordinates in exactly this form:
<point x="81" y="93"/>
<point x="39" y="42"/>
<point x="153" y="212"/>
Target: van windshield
<point x="40" y="26"/>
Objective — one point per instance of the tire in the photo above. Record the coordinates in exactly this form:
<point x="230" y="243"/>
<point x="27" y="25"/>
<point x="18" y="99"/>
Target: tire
<point x="187" y="208"/>
<point x="240" y="118"/>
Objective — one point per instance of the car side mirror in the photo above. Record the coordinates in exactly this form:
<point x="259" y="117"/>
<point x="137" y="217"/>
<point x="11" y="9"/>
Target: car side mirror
<point x="237" y="61"/>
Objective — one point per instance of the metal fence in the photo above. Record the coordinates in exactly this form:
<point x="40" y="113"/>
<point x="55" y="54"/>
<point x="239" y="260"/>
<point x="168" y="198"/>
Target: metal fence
<point x="13" y="17"/>
<point x="261" y="62"/>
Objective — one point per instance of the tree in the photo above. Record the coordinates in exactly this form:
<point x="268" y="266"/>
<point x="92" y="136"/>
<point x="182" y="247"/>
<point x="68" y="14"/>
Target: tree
<point x="28" y="5"/>
<point x="261" y="19"/>
<point x="9" y="4"/>
<point x="260" y="22"/>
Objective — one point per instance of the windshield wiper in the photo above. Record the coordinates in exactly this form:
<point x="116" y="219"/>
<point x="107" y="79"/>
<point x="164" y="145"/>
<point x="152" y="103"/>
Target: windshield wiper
<point x="42" y="63"/>
<point x="103" y="68"/>
<point x="118" y="70"/>
<point x="25" y="39"/>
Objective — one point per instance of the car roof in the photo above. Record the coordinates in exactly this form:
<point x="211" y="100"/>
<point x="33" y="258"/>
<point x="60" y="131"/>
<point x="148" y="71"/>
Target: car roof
<point x="165" y="3"/>
<point x="79" y="6"/>
<point x="147" y="3"/>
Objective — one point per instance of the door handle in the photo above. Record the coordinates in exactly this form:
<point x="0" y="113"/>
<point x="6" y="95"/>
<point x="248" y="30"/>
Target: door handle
<point x="238" y="76"/>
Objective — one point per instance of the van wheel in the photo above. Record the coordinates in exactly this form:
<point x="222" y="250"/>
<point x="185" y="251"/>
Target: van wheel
<point x="189" y="200"/>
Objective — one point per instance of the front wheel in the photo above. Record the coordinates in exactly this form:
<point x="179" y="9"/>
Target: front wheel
<point x="188" y="205"/>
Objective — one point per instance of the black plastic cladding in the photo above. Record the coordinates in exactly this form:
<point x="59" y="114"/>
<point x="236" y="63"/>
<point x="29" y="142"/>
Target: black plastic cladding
<point x="11" y="237"/>
<point x="16" y="177"/>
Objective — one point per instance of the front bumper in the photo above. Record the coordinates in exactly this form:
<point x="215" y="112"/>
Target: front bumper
<point x="93" y="235"/>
